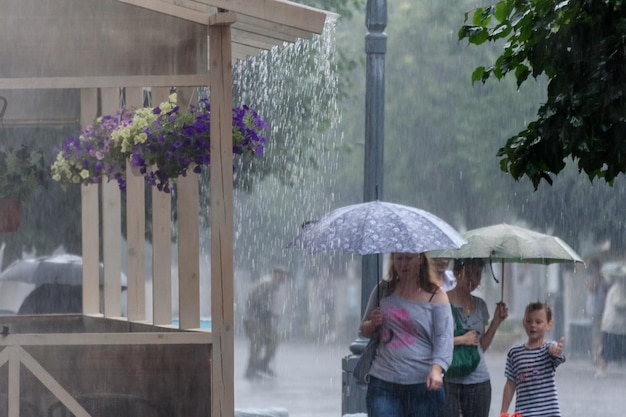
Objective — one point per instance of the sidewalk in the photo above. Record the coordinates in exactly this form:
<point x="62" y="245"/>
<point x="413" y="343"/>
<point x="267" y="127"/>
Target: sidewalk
<point x="308" y="383"/>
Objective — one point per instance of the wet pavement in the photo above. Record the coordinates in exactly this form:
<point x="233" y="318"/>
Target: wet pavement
<point x="308" y="383"/>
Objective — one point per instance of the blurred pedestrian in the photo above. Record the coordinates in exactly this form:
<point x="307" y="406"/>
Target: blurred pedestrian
<point x="531" y="367"/>
<point x="445" y="277"/>
<point x="613" y="321"/>
<point x="597" y="289"/>
<point x="470" y="395"/>
<point x="261" y="325"/>
<point x="416" y="327"/>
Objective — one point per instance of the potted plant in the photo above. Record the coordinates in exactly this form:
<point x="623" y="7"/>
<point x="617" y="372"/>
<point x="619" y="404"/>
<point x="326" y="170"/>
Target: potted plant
<point x="22" y="170"/>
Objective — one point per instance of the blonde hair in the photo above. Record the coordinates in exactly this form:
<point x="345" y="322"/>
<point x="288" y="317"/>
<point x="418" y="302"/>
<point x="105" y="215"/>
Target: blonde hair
<point x="426" y="278"/>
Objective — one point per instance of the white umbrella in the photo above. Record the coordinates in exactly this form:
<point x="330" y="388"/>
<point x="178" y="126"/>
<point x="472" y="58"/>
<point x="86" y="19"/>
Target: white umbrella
<point x="378" y="227"/>
<point x="64" y="269"/>
<point x="503" y="243"/>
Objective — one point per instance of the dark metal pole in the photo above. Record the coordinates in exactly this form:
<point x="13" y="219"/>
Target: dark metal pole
<point x="375" y="49"/>
<point x="353" y="400"/>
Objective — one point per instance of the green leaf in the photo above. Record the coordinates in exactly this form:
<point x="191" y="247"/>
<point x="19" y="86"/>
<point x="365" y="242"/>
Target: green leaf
<point x="479" y="37"/>
<point x="501" y="11"/>
<point x="521" y="74"/>
<point x="479" y="74"/>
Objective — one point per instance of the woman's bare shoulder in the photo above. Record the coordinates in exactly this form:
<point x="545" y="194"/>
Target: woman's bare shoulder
<point x="440" y="297"/>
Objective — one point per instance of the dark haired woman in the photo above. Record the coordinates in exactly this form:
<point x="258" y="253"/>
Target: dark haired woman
<point x="470" y="395"/>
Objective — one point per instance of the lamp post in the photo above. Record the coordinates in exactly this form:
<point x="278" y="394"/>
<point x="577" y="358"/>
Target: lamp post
<point x="353" y="394"/>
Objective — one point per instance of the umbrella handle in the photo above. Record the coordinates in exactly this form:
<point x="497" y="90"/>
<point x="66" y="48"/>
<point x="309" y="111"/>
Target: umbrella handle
<point x="502" y="286"/>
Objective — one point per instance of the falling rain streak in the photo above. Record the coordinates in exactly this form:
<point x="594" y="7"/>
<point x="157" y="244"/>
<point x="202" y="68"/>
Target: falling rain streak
<point x="294" y="89"/>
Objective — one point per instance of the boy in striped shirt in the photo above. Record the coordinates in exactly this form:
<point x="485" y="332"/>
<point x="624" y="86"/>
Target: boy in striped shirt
<point x="531" y="368"/>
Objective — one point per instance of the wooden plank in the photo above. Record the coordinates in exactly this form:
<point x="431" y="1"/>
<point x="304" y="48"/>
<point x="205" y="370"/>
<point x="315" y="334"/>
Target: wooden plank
<point x="161" y="242"/>
<point x="191" y="80"/>
<point x="90" y="221"/>
<point x="188" y="200"/>
<point x="49" y="382"/>
<point x="14" y="382"/>
<point x="171" y="10"/>
<point x="221" y="213"/>
<point x="196" y="336"/>
<point x="270" y="30"/>
<point x="281" y="12"/>
<point x="111" y="226"/>
<point x="253" y="40"/>
<point x="135" y="229"/>
<point x="190" y="4"/>
<point x="4" y="356"/>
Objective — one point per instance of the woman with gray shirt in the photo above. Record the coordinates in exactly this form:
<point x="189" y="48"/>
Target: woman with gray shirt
<point x="470" y="395"/>
<point x="416" y="332"/>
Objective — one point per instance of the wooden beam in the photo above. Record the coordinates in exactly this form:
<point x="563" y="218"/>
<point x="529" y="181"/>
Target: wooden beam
<point x="223" y="18"/>
<point x="281" y="12"/>
<point x="199" y="336"/>
<point x="171" y="10"/>
<point x="221" y="214"/>
<point x="270" y="29"/>
<point x="193" y="80"/>
<point x="14" y="382"/>
<point x="254" y="40"/>
<point x="90" y="217"/>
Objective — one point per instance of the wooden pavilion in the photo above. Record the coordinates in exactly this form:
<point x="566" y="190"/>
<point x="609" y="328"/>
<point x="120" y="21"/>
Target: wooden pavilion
<point x="83" y="53"/>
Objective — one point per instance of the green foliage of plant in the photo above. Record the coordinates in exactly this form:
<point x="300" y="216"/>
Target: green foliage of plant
<point x="22" y="171"/>
<point x="579" y="46"/>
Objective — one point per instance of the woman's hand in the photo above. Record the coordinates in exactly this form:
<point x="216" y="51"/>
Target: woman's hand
<point x="469" y="338"/>
<point x="375" y="320"/>
<point x="376" y="317"/>
<point x="501" y="313"/>
<point x="435" y="378"/>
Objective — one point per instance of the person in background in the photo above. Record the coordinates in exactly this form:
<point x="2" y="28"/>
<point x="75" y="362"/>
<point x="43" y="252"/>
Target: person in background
<point x="613" y="322"/>
<point x="415" y="349"/>
<point x="597" y="288"/>
<point x="531" y="368"/>
<point x="260" y="325"/>
<point x="470" y="395"/>
<point x="445" y="277"/>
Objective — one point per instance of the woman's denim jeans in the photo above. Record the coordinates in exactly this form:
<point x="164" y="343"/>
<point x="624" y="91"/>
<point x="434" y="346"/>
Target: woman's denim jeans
<point x="386" y="399"/>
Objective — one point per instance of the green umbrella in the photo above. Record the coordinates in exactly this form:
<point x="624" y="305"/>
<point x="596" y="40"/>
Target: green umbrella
<point x="502" y="243"/>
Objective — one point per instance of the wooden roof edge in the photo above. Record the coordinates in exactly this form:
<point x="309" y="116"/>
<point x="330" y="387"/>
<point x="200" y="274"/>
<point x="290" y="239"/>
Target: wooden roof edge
<point x="171" y="10"/>
<point x="282" y="12"/>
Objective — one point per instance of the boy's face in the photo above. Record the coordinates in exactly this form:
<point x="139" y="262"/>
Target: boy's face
<point x="536" y="325"/>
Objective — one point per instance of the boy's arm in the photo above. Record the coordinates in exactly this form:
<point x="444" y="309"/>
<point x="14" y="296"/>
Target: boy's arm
<point x="556" y="349"/>
<point x="507" y="395"/>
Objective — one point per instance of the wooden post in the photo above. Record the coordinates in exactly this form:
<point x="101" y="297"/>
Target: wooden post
<point x="161" y="242"/>
<point x="111" y="225"/>
<point x="221" y="186"/>
<point x="90" y="217"/>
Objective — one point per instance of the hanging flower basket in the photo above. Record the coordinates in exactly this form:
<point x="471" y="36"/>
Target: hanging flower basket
<point x="10" y="214"/>
<point x="162" y="143"/>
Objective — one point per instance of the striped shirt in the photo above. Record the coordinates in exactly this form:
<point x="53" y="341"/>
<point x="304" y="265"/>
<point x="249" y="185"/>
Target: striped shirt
<point x="533" y="371"/>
